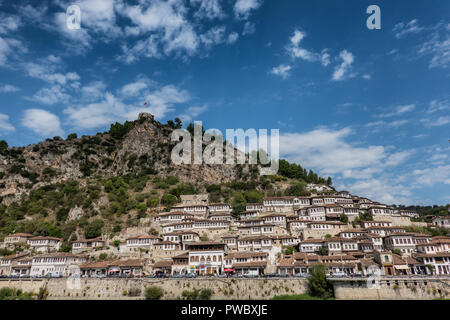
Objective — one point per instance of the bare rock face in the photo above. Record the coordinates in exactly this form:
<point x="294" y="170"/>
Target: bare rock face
<point x="75" y="213"/>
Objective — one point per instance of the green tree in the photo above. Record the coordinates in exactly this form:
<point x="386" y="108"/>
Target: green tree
<point x="253" y="196"/>
<point x="296" y="189"/>
<point x="238" y="202"/>
<point x="72" y="136"/>
<point x="343" y="218"/>
<point x="94" y="229"/>
<point x="323" y="251"/>
<point x="289" y="250"/>
<point x="3" y="146"/>
<point x="169" y="199"/>
<point x="318" y="285"/>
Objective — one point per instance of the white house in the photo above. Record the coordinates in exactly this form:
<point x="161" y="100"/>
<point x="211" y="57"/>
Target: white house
<point x="206" y="257"/>
<point x="55" y="262"/>
<point x="44" y="244"/>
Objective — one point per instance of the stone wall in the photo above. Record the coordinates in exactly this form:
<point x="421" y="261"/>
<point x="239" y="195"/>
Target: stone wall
<point x="227" y="289"/>
<point x="393" y="289"/>
<point x="173" y="288"/>
<point x="397" y="220"/>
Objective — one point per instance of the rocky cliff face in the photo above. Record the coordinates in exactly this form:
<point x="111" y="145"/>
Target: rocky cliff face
<point x="143" y="145"/>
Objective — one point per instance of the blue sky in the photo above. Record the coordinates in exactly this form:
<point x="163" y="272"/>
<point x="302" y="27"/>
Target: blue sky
<point x="371" y="108"/>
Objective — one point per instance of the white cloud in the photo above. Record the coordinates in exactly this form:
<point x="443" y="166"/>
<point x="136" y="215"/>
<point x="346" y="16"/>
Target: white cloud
<point x="365" y="170"/>
<point x="296" y="51"/>
<point x="327" y="151"/>
<point x="9" y="88"/>
<point x="437" y="46"/>
<point x="440" y="121"/>
<point x="431" y="176"/>
<point x="98" y="22"/>
<point x="168" y="27"/>
<point x="232" y="37"/>
<point x="243" y="8"/>
<point x="367" y="76"/>
<point x="42" y="122"/>
<point x="384" y="190"/>
<point x="401" y="29"/>
<point x="398" y="110"/>
<point x="5" y="125"/>
<point x="46" y="70"/>
<point x="111" y="108"/>
<point x="209" y="9"/>
<point x="78" y="41"/>
<point x="10" y="47"/>
<point x="325" y="57"/>
<point x="282" y="71"/>
<point x="9" y="23"/>
<point x="98" y="16"/>
<point x="51" y="95"/>
<point x="133" y="89"/>
<point x="215" y="35"/>
<point x="193" y="112"/>
<point x="436" y="105"/>
<point x="93" y="90"/>
<point x="249" y="28"/>
<point x="341" y="71"/>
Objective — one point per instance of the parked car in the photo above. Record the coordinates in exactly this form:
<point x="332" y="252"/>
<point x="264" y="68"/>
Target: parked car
<point x="222" y="276"/>
<point x="270" y="275"/>
<point x="24" y="275"/>
<point x="250" y="275"/>
<point x="190" y="275"/>
<point x="53" y="275"/>
<point x="161" y="275"/>
<point x="357" y="274"/>
<point x="36" y="276"/>
<point x="151" y="276"/>
<point x="283" y="275"/>
<point x="14" y="275"/>
<point x="339" y="274"/>
<point x="178" y="275"/>
<point x="301" y="275"/>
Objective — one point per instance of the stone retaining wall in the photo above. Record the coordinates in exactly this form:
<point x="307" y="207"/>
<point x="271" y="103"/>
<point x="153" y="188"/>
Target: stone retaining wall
<point x="173" y="288"/>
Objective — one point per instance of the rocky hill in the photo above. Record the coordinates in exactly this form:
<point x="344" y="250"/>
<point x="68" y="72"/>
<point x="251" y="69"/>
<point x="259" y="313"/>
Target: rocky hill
<point x="105" y="182"/>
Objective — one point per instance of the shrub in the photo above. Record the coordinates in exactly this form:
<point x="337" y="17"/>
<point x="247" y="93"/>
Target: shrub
<point x="154" y="293"/>
<point x="205" y="294"/>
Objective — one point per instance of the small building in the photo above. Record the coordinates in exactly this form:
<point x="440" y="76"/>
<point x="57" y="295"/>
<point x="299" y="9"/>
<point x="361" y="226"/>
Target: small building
<point x="17" y="238"/>
<point x="206" y="257"/>
<point x="87" y="245"/>
<point x="441" y="221"/>
<point x="129" y="267"/>
<point x="44" y="244"/>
